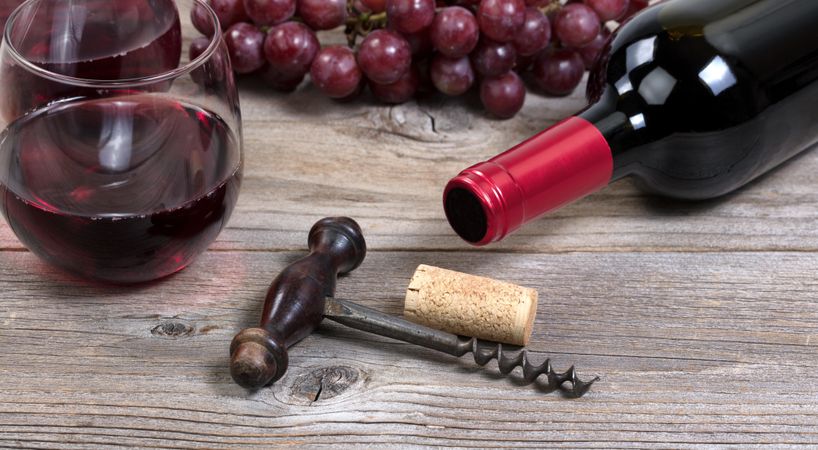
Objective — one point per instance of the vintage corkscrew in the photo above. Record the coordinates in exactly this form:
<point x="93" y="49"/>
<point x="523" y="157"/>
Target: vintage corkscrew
<point x="303" y="294"/>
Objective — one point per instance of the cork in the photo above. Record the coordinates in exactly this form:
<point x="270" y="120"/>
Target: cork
<point x="469" y="305"/>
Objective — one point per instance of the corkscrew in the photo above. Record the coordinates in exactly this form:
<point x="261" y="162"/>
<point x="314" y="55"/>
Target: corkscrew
<point x="303" y="294"/>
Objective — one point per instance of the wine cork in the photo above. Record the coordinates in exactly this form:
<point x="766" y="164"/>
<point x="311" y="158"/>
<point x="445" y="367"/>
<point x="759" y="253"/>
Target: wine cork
<point x="469" y="305"/>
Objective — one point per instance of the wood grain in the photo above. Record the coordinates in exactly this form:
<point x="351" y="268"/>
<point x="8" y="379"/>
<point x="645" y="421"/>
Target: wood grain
<point x="692" y="348"/>
<point x="700" y="318"/>
<point x="402" y="156"/>
<point x="391" y="164"/>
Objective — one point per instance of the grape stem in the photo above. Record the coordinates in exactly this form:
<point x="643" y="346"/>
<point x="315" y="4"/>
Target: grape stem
<point x="363" y="24"/>
<point x="552" y="7"/>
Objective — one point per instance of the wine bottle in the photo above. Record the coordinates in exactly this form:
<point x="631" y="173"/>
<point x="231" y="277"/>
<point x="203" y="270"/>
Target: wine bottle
<point x="692" y="98"/>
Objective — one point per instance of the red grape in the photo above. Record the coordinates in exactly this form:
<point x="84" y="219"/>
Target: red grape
<point x="535" y="33"/>
<point x="197" y="47"/>
<point x="201" y="20"/>
<point x="576" y="25"/>
<point x="634" y="7"/>
<point x="590" y="52"/>
<point x="335" y="72"/>
<point x="355" y="93"/>
<point x="290" y="49"/>
<point x="281" y="82"/>
<point x="495" y="40"/>
<point x="609" y="9"/>
<point x="359" y="7"/>
<point x="323" y="14"/>
<point x="558" y="71"/>
<point x="269" y="12"/>
<point x="400" y="91"/>
<point x="410" y="16"/>
<point x="424" y="69"/>
<point x="491" y="58"/>
<point x="455" y="32"/>
<point x="503" y="96"/>
<point x="524" y="63"/>
<point x="211" y="75"/>
<point x="384" y="56"/>
<point x="245" y="45"/>
<point x="229" y="12"/>
<point x="452" y="76"/>
<point x="375" y="6"/>
<point x="420" y="42"/>
<point x="552" y="19"/>
<point x="501" y="19"/>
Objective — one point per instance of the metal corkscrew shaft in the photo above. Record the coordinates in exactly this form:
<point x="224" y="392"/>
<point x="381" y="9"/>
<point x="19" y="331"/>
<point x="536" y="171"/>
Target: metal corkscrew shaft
<point x="369" y="320"/>
<point x="302" y="295"/>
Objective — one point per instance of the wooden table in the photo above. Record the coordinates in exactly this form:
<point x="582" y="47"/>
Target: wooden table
<point x="701" y="319"/>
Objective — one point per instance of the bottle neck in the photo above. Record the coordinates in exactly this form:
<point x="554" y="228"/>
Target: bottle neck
<point x="557" y="166"/>
<point x="618" y="129"/>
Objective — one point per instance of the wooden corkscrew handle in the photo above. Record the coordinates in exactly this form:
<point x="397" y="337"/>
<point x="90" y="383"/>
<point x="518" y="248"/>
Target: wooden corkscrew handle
<point x="295" y="302"/>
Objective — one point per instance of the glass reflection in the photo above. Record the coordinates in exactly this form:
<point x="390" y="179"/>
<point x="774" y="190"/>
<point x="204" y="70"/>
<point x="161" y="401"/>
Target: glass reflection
<point x="640" y="53"/>
<point x="657" y="86"/>
<point x="637" y="121"/>
<point x="717" y="76"/>
<point x="623" y="86"/>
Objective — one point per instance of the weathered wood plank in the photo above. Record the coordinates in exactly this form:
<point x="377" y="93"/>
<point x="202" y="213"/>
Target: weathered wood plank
<point x="308" y="157"/>
<point x="700" y="318"/>
<point x="388" y="166"/>
<point x="702" y="348"/>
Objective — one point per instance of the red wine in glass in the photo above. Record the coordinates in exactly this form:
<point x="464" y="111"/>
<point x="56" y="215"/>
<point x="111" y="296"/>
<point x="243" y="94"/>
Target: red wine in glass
<point x="122" y="189"/>
<point x="89" y="39"/>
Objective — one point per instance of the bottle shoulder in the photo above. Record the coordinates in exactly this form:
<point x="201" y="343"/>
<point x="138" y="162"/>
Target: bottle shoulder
<point x="703" y="102"/>
<point x="675" y="74"/>
<point x="733" y="56"/>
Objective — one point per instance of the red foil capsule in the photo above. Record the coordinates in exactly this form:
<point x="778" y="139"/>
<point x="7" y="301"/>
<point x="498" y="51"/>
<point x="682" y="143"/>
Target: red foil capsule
<point x="564" y="163"/>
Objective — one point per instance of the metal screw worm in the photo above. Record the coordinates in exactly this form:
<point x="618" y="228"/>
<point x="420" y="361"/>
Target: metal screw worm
<point x="370" y="320"/>
<point x="302" y="295"/>
<point x="484" y="352"/>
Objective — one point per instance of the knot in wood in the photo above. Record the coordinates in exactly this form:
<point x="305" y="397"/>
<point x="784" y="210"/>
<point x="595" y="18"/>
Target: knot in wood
<point x="172" y="329"/>
<point x="324" y="383"/>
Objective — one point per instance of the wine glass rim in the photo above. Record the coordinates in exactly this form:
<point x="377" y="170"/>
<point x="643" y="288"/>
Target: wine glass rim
<point x="190" y="66"/>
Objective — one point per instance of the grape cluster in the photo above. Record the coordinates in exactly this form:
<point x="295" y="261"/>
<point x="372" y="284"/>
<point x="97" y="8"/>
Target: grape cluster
<point x="410" y="46"/>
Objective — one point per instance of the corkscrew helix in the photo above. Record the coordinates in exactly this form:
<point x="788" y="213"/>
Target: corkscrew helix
<point x="556" y="380"/>
<point x="376" y="322"/>
<point x="302" y="295"/>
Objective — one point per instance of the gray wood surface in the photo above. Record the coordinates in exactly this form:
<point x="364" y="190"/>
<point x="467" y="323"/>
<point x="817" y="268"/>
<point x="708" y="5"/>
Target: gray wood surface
<point x="700" y="318"/>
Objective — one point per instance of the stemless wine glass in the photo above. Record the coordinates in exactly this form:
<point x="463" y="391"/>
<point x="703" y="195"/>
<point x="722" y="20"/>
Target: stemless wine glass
<point x="120" y="159"/>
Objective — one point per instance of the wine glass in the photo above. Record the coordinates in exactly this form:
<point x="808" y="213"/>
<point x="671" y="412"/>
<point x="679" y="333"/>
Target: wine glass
<point x="120" y="157"/>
